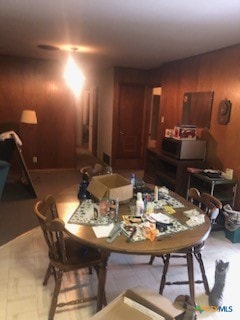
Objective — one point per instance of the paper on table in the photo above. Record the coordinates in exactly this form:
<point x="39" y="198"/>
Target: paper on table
<point x="160" y="217"/>
<point x="191" y="213"/>
<point x="102" y="231"/>
<point x="196" y="220"/>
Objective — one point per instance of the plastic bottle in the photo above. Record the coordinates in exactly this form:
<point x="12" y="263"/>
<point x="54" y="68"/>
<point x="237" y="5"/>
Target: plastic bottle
<point x="156" y="193"/>
<point x="133" y="180"/>
<point x="139" y="204"/>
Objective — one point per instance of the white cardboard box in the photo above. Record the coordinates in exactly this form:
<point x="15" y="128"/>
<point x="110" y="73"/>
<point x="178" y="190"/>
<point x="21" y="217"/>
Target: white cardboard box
<point x="145" y="304"/>
<point x="111" y="186"/>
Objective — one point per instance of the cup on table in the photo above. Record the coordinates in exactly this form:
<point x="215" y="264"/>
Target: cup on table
<point x="132" y="206"/>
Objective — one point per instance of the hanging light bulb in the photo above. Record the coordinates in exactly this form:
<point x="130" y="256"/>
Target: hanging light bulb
<point x="73" y="76"/>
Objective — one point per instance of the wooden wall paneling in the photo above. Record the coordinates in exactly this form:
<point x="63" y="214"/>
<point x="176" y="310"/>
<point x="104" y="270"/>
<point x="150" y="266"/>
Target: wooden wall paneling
<point x="38" y="84"/>
<point x="148" y="103"/>
<point x="224" y="68"/>
<point x="130" y="75"/>
<point x="217" y="71"/>
<point x="177" y="78"/>
<point x="170" y="97"/>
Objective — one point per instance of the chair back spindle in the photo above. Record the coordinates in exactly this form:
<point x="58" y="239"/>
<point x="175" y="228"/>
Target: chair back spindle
<point x="206" y="202"/>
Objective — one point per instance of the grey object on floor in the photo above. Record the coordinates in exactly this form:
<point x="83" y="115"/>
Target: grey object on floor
<point x="216" y="295"/>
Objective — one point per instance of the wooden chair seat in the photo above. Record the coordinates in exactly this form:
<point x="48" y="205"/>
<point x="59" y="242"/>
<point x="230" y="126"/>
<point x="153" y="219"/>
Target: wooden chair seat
<point x="76" y="255"/>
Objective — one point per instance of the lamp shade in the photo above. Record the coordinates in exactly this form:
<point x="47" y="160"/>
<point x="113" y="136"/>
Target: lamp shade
<point x="29" y="116"/>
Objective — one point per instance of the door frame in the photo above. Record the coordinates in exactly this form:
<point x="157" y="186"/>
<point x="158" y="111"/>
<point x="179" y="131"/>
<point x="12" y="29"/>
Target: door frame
<point x="129" y="163"/>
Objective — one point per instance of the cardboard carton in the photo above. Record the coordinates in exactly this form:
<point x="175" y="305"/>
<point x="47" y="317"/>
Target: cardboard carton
<point x="111" y="186"/>
<point x="140" y="303"/>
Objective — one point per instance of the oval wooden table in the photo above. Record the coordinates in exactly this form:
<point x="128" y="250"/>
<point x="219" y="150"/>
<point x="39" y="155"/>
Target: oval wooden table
<point x="85" y="234"/>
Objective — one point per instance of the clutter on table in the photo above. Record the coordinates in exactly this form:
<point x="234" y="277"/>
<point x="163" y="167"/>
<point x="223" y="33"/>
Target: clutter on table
<point x="151" y="215"/>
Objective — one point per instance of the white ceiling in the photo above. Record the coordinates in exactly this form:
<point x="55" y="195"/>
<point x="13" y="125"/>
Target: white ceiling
<point x="129" y="33"/>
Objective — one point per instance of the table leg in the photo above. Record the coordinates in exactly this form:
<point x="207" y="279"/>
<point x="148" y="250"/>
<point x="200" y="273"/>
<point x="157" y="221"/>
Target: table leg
<point x="234" y="195"/>
<point x="188" y="184"/>
<point x="166" y="259"/>
<point x="102" y="275"/>
<point x="212" y="188"/>
<point x="198" y="256"/>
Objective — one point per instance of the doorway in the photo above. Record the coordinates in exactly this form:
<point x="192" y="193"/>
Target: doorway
<point x="129" y="127"/>
<point x="87" y="121"/>
<point x="154" y="116"/>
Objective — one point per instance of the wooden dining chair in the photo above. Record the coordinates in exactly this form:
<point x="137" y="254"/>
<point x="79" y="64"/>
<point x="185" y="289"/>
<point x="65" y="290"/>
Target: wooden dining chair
<point x="210" y="205"/>
<point x="65" y="254"/>
<point x="194" y="196"/>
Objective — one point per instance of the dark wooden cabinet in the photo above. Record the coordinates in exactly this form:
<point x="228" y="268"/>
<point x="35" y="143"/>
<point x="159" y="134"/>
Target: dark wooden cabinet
<point x="163" y="170"/>
<point x="150" y="165"/>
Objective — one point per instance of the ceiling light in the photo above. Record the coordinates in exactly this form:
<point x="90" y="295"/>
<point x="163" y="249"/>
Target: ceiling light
<point x="73" y="76"/>
<point x="75" y="48"/>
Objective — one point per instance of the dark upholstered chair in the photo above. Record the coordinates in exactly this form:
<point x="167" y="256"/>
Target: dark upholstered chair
<point x="65" y="253"/>
<point x="4" y="167"/>
<point x="211" y="206"/>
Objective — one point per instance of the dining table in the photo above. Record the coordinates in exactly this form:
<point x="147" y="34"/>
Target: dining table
<point x="191" y="237"/>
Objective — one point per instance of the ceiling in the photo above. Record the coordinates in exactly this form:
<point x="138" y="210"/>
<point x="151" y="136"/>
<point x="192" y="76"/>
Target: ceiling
<point x="129" y="33"/>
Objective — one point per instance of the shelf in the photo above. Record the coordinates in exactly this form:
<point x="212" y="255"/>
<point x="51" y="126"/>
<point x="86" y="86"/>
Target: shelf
<point x="215" y="181"/>
<point x="149" y="178"/>
<point x="223" y="189"/>
<point x="166" y="177"/>
<point x="168" y="171"/>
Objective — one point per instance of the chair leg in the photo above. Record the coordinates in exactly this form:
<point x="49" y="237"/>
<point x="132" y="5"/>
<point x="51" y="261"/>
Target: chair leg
<point x="59" y="275"/>
<point x="166" y="259"/>
<point x="102" y="274"/>
<point x="104" y="299"/>
<point x="190" y="274"/>
<point x="198" y="256"/>
<point x="90" y="270"/>
<point x="48" y="274"/>
<point x="151" y="259"/>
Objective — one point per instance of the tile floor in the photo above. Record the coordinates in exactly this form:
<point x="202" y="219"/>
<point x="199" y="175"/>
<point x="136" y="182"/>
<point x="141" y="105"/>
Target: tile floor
<point x="24" y="262"/>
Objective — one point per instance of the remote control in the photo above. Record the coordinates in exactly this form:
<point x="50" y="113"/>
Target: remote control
<point x="114" y="232"/>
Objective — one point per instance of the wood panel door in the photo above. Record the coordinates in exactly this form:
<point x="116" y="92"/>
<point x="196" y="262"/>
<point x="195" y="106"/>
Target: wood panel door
<point x="131" y="126"/>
